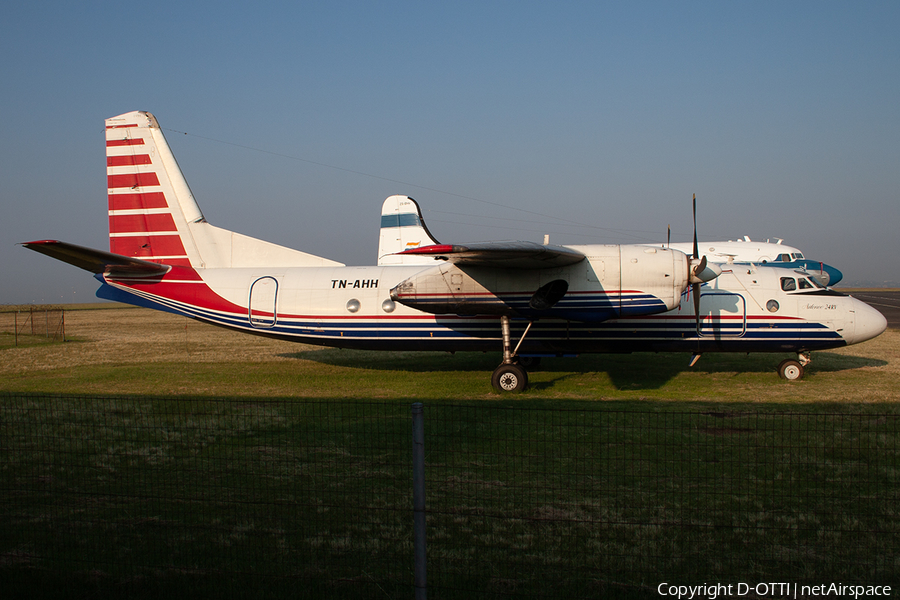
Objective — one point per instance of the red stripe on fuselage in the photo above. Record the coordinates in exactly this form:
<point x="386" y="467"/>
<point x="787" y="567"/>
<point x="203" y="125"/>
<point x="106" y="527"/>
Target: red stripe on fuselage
<point x="132" y="180"/>
<point x="148" y="223"/>
<point x="610" y="293"/>
<point x="124" y="161"/>
<point x="183" y="284"/>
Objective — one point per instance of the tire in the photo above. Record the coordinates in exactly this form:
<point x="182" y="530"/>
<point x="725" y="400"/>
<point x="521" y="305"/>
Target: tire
<point x="509" y="378"/>
<point x="790" y="370"/>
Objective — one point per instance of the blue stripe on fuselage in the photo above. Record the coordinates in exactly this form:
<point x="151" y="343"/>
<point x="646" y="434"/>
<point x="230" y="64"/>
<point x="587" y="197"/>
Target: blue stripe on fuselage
<point x="652" y="333"/>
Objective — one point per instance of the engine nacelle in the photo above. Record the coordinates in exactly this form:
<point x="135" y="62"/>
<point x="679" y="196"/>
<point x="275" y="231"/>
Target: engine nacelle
<point x="613" y="281"/>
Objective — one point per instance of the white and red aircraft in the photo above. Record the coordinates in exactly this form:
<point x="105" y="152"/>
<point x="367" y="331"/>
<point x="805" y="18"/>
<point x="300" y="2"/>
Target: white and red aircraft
<point x="424" y="295"/>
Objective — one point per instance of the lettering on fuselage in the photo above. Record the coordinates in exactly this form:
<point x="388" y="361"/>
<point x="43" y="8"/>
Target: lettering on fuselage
<point x="821" y="306"/>
<point x="339" y="284"/>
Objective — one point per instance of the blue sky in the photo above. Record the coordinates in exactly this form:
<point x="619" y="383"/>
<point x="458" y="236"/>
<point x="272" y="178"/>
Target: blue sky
<point x="593" y="122"/>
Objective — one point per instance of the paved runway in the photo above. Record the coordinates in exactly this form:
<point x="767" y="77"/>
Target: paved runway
<point x="887" y="301"/>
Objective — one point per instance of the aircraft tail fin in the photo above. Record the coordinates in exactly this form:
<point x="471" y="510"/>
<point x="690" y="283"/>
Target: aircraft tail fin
<point x="153" y="215"/>
<point x="402" y="228"/>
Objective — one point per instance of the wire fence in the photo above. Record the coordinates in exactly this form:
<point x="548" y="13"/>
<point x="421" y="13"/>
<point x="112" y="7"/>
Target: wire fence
<point x="235" y="498"/>
<point x="35" y="321"/>
<point x="592" y="502"/>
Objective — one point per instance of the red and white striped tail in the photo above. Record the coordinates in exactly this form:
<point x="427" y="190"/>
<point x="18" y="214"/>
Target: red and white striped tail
<point x="153" y="215"/>
<point x="150" y="204"/>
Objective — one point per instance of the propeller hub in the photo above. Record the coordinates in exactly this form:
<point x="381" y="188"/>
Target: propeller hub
<point x="702" y="271"/>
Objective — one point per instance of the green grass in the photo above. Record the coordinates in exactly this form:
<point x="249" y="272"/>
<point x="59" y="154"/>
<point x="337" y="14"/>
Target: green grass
<point x="237" y="496"/>
<point x="465" y="376"/>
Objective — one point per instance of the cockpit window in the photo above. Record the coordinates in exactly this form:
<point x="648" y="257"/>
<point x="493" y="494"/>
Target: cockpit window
<point x="805" y="284"/>
<point x="797" y="255"/>
<point x="785" y="258"/>
<point x="788" y="284"/>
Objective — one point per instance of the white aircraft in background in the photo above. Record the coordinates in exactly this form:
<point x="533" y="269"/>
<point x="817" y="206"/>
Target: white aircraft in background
<point x="423" y="295"/>
<point x="774" y="253"/>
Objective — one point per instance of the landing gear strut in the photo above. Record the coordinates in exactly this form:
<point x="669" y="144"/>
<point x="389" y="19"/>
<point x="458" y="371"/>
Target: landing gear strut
<point x="510" y="376"/>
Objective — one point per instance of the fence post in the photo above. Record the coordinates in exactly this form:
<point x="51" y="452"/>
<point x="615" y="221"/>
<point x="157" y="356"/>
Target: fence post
<point x="418" y="464"/>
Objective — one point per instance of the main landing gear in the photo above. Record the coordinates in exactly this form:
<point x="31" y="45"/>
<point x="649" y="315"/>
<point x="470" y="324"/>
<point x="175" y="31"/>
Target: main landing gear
<point x="510" y="376"/>
<point x="791" y="369"/>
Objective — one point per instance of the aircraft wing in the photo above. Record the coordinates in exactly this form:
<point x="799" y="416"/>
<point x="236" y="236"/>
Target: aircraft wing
<point x="96" y="261"/>
<point x="513" y="255"/>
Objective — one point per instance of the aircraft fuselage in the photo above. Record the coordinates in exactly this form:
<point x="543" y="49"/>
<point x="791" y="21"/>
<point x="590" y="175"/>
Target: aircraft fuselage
<point x="743" y="310"/>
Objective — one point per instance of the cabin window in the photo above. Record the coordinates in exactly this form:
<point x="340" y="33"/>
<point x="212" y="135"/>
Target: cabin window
<point x="788" y="284"/>
<point x="805" y="284"/>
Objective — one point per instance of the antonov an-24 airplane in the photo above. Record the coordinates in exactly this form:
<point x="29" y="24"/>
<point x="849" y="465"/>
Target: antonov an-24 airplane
<point x="522" y="298"/>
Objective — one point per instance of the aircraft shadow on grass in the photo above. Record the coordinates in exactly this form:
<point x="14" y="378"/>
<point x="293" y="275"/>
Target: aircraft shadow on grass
<point x="642" y="371"/>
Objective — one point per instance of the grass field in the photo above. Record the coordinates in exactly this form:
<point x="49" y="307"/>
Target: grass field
<point x="214" y="458"/>
<point x="138" y="351"/>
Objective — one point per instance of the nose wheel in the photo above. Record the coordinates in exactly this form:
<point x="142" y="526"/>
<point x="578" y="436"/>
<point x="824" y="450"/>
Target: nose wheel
<point x="793" y="370"/>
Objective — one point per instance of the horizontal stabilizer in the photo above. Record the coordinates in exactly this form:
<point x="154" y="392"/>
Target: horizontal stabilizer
<point x="97" y="261"/>
<point x="514" y="255"/>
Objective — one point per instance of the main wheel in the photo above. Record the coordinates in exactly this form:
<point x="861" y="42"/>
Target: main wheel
<point x="509" y="378"/>
<point x="791" y="370"/>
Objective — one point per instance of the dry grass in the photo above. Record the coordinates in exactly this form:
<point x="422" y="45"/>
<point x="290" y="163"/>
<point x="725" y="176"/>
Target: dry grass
<point x="125" y="335"/>
<point x="134" y="350"/>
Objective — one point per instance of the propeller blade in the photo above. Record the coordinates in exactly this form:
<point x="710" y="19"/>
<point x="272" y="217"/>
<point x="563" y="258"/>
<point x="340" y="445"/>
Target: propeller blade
<point x="695" y="291"/>
<point x="699" y="271"/>
<point x="668" y="236"/>
<point x="696" y="246"/>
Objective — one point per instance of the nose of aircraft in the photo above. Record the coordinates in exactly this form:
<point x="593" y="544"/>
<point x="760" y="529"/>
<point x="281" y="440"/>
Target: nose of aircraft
<point x="869" y="323"/>
<point x="834" y="275"/>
